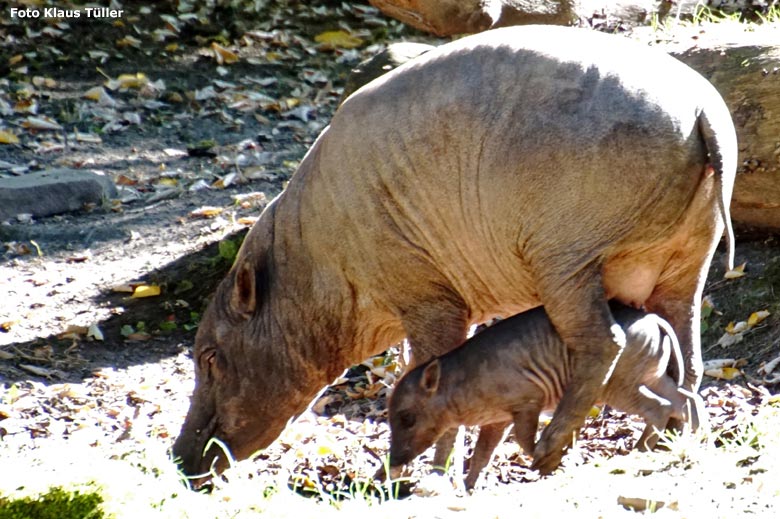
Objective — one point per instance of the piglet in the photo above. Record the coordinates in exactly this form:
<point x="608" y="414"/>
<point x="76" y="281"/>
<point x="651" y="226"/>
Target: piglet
<point x="516" y="369"/>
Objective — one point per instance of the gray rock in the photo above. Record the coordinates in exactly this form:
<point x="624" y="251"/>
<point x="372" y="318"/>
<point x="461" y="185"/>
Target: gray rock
<point x="54" y="191"/>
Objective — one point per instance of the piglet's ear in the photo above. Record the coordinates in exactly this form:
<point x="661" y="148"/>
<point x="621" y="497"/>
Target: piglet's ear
<point x="430" y="377"/>
<point x="244" y="298"/>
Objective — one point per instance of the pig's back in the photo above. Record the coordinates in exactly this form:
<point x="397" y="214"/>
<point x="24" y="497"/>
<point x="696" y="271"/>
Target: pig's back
<point x="507" y="147"/>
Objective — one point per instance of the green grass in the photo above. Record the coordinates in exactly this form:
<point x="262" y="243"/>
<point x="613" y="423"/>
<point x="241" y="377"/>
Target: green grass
<point x="56" y="503"/>
<point x="704" y="16"/>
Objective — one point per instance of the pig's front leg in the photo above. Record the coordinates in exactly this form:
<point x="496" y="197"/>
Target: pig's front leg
<point x="433" y="327"/>
<point x="575" y="301"/>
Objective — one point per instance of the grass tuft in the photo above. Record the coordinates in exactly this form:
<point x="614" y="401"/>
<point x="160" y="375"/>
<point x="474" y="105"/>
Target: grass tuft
<point x="56" y="503"/>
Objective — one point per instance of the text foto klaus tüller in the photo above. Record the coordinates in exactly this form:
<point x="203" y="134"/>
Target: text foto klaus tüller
<point x="55" y="12"/>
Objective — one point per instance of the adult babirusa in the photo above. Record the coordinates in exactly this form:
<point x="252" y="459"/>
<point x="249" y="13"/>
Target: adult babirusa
<point x="515" y="168"/>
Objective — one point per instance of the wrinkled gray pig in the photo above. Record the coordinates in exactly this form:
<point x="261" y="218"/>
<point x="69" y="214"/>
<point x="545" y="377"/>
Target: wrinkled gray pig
<point x="515" y="168"/>
<point x="518" y="368"/>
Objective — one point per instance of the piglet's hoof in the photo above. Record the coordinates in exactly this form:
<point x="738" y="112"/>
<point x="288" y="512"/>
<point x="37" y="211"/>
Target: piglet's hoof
<point x="382" y="473"/>
<point x="546" y="460"/>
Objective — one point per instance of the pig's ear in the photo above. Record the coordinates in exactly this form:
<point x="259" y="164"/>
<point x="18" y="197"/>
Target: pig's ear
<point x="244" y="297"/>
<point x="430" y="377"/>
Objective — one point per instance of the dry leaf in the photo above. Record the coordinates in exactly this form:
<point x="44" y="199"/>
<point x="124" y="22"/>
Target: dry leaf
<point x="729" y="340"/>
<point x="129" y="41"/>
<point x="136" y="80"/>
<point x="324" y="450"/>
<point x="37" y="370"/>
<point x="736" y="272"/>
<point x="757" y="317"/>
<point x="7" y="137"/>
<point x="124" y="180"/>
<point x="138" y="336"/>
<point x="95" y="332"/>
<point x="718" y="363"/>
<point x="769" y="367"/>
<point x="226" y="181"/>
<point x="329" y="40"/>
<point x="45" y="82"/>
<point x="640" y="504"/>
<point x="734" y="329"/>
<point x="99" y="95"/>
<point x="86" y="137"/>
<point x="146" y="291"/>
<point x="223" y="55"/>
<point x="41" y="123"/>
<point x="247" y="220"/>
<point x="73" y="331"/>
<point x="206" y="212"/>
<point x="724" y="373"/>
<point x="26" y="106"/>
<point x="594" y="412"/>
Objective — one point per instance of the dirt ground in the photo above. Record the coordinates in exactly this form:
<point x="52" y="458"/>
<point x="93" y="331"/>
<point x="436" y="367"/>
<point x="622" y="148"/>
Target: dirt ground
<point x="197" y="148"/>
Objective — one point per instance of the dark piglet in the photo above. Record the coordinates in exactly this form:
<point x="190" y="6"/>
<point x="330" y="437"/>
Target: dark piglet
<point x="520" y="367"/>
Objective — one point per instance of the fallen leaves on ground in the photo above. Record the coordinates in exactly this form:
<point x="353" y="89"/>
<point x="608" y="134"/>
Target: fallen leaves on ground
<point x="736" y="272"/>
<point x="146" y="291"/>
<point x="735" y="331"/>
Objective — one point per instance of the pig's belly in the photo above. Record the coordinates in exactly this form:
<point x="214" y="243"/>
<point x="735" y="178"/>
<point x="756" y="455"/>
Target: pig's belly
<point x="629" y="277"/>
<point x="485" y="416"/>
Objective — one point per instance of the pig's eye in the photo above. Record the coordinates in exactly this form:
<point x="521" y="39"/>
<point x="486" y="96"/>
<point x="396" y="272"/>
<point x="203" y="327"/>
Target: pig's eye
<point x="406" y="419"/>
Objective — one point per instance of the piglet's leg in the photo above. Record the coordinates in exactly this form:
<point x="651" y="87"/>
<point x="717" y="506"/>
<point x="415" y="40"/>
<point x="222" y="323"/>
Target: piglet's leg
<point x="663" y="401"/>
<point x="526" y="425"/>
<point x="489" y="437"/>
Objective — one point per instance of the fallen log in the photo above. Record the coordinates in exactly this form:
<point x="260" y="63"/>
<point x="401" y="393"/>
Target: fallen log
<point x="747" y="75"/>
<point x="449" y="17"/>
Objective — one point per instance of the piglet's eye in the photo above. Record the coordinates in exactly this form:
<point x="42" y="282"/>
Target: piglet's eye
<point x="406" y="419"/>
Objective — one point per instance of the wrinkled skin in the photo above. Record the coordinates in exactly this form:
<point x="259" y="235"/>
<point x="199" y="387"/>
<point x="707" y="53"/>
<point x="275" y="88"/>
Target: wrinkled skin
<point x="514" y="370"/>
<point x="520" y="167"/>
